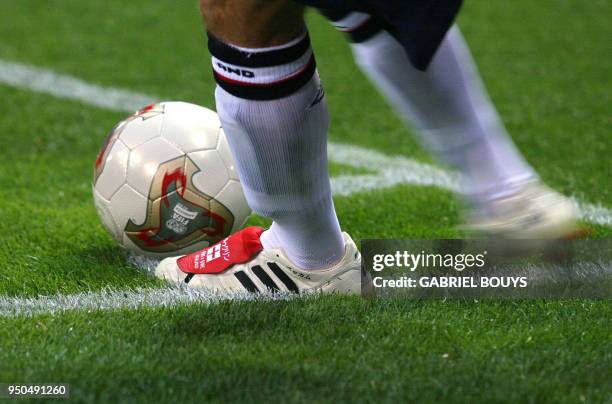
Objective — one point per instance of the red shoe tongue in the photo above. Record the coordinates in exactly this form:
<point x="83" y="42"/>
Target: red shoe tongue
<point x="238" y="248"/>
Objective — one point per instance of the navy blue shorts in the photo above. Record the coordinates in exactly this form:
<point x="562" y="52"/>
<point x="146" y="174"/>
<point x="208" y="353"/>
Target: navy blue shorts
<point x="419" y="25"/>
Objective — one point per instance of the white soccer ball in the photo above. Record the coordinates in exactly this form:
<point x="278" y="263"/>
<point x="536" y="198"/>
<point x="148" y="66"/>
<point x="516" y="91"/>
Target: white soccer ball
<point x="165" y="183"/>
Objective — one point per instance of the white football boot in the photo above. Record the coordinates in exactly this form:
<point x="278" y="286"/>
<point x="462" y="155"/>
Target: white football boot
<point x="534" y="212"/>
<point x="240" y="264"/>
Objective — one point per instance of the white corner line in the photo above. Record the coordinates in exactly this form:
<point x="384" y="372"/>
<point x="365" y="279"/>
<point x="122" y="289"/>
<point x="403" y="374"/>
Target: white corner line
<point x="63" y="86"/>
<point x="112" y="299"/>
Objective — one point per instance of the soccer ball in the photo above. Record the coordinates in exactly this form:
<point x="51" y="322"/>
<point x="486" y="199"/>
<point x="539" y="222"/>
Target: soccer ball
<point x="164" y="181"/>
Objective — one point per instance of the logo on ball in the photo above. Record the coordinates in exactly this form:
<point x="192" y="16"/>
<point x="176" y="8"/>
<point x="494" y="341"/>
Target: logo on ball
<point x="178" y="214"/>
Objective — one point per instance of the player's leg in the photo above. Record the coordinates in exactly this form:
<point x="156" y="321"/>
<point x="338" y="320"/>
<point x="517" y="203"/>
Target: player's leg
<point x="450" y="110"/>
<point x="274" y="112"/>
<point x="446" y="103"/>
<point x="257" y="24"/>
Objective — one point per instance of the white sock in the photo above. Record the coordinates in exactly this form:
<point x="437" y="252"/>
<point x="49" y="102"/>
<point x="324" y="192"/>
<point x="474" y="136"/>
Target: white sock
<point x="450" y="110"/>
<point x="276" y="121"/>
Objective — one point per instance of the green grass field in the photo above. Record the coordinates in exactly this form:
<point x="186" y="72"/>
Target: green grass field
<point x="547" y="65"/>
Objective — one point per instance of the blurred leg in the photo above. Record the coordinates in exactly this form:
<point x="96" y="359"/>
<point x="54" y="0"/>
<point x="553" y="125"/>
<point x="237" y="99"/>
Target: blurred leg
<point x="447" y="104"/>
<point x="451" y="111"/>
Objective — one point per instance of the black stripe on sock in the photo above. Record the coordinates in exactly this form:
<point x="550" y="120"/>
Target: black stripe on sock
<point x="188" y="278"/>
<point x="265" y="278"/>
<point x="268" y="91"/>
<point x="283" y="277"/>
<point x="246" y="282"/>
<point x="366" y="31"/>
<point x="232" y="55"/>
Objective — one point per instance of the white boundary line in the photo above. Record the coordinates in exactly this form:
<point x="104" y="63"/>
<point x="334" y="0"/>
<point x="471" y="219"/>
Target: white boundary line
<point x="389" y="171"/>
<point x="63" y="86"/>
<point x="111" y="299"/>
